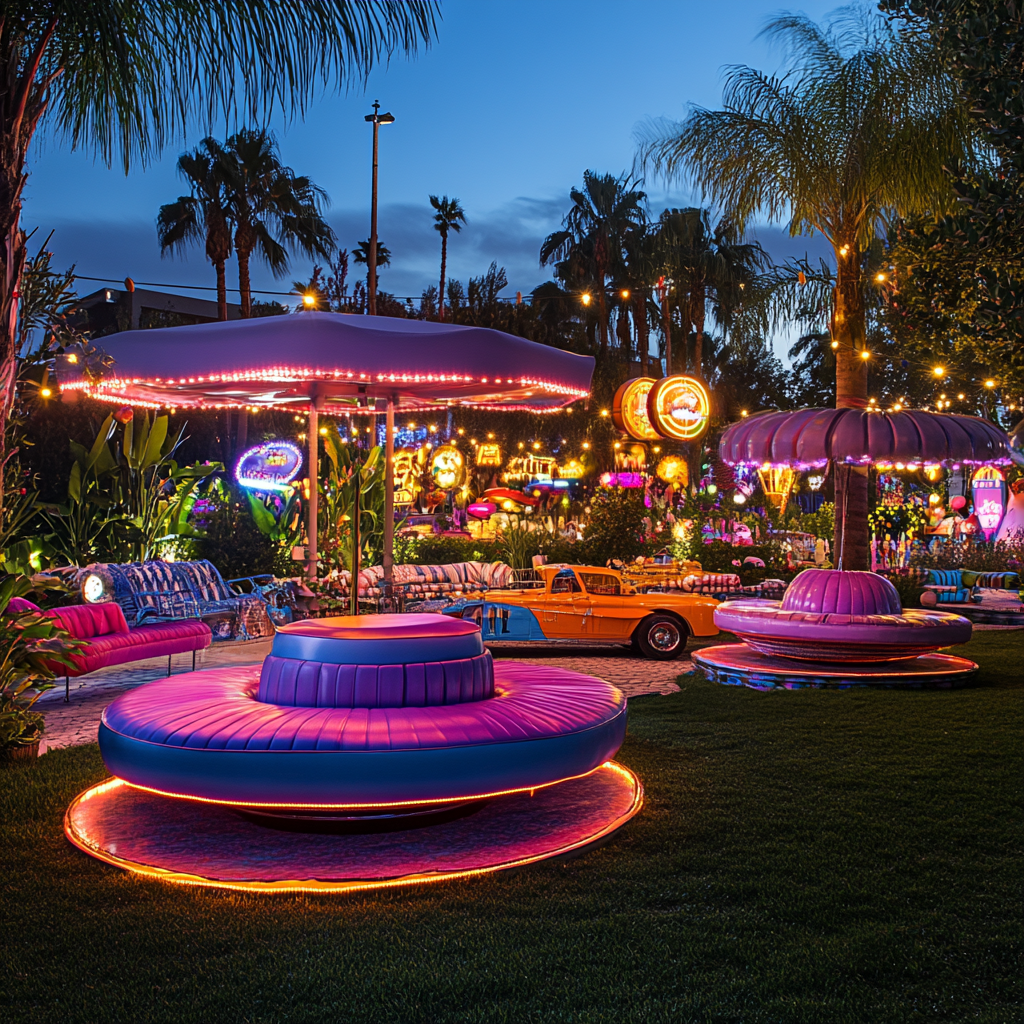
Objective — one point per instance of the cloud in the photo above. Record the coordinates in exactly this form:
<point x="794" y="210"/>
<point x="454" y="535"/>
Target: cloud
<point x="511" y="235"/>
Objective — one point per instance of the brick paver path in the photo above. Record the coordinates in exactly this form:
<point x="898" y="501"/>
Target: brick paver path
<point x="73" y="724"/>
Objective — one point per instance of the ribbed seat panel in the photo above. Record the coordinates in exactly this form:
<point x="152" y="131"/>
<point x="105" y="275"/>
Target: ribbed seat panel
<point x="218" y="711"/>
<point x="290" y="682"/>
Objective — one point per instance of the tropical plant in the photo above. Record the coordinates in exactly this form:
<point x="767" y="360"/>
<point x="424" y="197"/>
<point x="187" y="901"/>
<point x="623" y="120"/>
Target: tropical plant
<point x="449" y="217"/>
<point x="125" y="499"/>
<point x="31" y="645"/>
<point x="590" y="245"/>
<point x="361" y="254"/>
<point x="857" y="131"/>
<point x="347" y="469"/>
<point x="204" y="216"/>
<point x="271" y="207"/>
<point x="124" y="79"/>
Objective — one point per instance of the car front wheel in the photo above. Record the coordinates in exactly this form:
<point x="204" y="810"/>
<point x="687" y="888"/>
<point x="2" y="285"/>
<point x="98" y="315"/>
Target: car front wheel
<point x="660" y="637"/>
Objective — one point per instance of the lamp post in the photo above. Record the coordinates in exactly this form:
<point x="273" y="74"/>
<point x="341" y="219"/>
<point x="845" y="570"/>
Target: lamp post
<point x="376" y="119"/>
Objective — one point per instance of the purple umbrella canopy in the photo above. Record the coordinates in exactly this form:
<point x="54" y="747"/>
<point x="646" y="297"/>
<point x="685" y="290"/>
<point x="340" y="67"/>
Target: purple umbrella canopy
<point x="337" y="359"/>
<point x="810" y="438"/>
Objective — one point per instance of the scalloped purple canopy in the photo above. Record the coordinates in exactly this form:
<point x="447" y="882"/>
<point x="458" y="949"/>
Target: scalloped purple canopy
<point x="809" y="438"/>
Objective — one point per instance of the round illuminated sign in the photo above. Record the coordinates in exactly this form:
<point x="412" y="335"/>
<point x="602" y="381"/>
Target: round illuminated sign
<point x="673" y="470"/>
<point x="446" y="467"/>
<point x="270" y="466"/>
<point x="679" y="408"/>
<point x="629" y="409"/>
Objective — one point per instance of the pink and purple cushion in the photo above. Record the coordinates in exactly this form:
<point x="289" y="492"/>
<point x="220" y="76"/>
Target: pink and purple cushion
<point x="832" y="615"/>
<point x="212" y="739"/>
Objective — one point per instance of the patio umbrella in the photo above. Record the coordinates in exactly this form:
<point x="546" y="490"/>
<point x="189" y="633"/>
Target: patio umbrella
<point x="810" y="438"/>
<point x="335" y="363"/>
<point x="857" y="438"/>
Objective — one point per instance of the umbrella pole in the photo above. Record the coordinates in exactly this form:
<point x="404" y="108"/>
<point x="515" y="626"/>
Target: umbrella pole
<point x="314" y="476"/>
<point x="389" y="492"/>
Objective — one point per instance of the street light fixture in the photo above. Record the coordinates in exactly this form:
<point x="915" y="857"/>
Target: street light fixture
<point x="376" y="119"/>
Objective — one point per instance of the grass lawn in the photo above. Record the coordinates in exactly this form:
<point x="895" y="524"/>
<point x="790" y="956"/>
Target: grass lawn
<point x="805" y="856"/>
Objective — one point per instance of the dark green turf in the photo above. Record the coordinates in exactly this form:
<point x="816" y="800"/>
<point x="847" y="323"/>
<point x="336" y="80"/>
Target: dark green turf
<point x="805" y="856"/>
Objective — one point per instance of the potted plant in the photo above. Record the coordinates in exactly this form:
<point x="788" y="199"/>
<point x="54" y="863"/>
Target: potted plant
<point x="31" y="646"/>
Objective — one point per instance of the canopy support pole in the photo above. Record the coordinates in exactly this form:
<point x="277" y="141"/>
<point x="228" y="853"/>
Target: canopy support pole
<point x="389" y="491"/>
<point x="313" y="438"/>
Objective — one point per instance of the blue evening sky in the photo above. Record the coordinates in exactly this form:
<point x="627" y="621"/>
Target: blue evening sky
<point x="505" y="111"/>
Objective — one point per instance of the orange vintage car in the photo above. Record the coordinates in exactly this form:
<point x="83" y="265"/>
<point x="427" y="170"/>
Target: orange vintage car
<point x="583" y="602"/>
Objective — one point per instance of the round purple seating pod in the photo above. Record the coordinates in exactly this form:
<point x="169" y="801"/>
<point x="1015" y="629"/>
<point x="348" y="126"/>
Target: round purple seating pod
<point x="378" y="639"/>
<point x="835" y="616"/>
<point x="212" y="740"/>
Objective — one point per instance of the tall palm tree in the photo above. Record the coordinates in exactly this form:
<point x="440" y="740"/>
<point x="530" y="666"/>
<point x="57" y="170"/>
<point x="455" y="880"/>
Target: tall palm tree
<point x="449" y="217"/>
<point x="124" y="79"/>
<point x="855" y="133"/>
<point x="361" y="254"/>
<point x="202" y="216"/>
<point x="639" y="274"/>
<point x="707" y="264"/>
<point x="271" y="207"/>
<point x="601" y="213"/>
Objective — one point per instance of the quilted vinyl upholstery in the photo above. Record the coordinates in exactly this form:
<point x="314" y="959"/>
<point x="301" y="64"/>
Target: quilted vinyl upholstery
<point x="218" y="710"/>
<point x="156" y="641"/>
<point x="290" y="682"/>
<point x="84" y="621"/>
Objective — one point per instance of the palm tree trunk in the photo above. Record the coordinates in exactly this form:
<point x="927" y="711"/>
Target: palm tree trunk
<point x="850" y="541"/>
<point x="222" y="291"/>
<point x="244" y="284"/>
<point x="643" y="329"/>
<point x="10" y="278"/>
<point x="602" y="312"/>
<point x="444" y="264"/>
<point x="698" y="309"/>
<point x="666" y="318"/>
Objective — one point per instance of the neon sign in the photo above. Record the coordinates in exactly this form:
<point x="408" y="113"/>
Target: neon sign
<point x="989" y="499"/>
<point x="446" y="467"/>
<point x="269" y="467"/>
<point x="680" y="408"/>
<point x="488" y="455"/>
<point x="629" y="409"/>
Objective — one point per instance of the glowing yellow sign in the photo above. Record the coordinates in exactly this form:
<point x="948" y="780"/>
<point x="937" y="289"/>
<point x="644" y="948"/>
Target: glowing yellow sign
<point x="629" y="409"/>
<point x="447" y="467"/>
<point x="529" y="467"/>
<point x="488" y="455"/>
<point x="679" y="408"/>
<point x="405" y="475"/>
<point x="673" y="470"/>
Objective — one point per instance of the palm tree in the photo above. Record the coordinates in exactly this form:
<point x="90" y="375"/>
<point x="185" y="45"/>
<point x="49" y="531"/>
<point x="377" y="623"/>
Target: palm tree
<point x="449" y="217"/>
<point x="124" y="79"/>
<point x="271" y="207"/>
<point x="707" y="264"/>
<point x="602" y="212"/>
<point x="361" y="254"/>
<point x="854" y="134"/>
<point x="638" y="276"/>
<point x="201" y="216"/>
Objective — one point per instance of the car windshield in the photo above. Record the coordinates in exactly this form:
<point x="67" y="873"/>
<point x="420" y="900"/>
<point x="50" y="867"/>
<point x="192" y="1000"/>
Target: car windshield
<point x="601" y="583"/>
<point x="565" y="583"/>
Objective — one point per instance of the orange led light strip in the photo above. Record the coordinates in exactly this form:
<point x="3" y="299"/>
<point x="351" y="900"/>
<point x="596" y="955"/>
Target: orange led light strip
<point x="88" y="846"/>
<point x="343" y="807"/>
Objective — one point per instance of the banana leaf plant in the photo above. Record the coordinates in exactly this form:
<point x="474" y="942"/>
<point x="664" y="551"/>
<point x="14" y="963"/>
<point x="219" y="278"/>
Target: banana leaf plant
<point x="347" y="469"/>
<point x="127" y="495"/>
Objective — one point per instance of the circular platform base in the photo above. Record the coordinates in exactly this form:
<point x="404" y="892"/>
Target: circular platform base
<point x="740" y="665"/>
<point x="208" y="844"/>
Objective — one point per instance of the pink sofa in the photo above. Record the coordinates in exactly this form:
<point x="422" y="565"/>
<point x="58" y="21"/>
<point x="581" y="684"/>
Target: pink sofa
<point x="111" y="642"/>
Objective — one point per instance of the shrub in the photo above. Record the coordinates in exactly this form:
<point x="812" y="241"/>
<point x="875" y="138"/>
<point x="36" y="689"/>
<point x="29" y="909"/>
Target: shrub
<point x="234" y="544"/>
<point x="973" y="553"/>
<point x="30" y="646"/>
